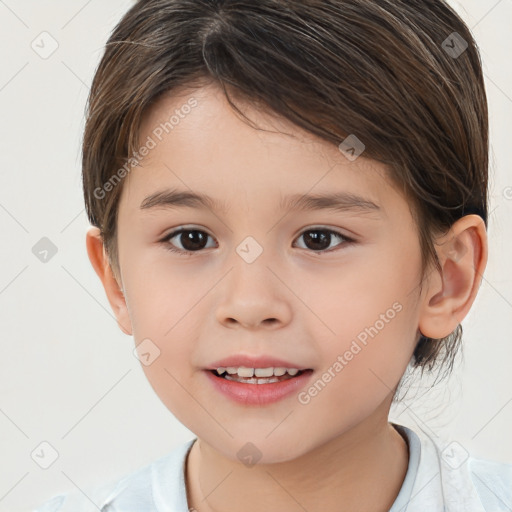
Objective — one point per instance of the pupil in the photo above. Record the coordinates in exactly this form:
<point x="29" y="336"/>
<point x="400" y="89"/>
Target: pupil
<point x="191" y="240"/>
<point x="317" y="237"/>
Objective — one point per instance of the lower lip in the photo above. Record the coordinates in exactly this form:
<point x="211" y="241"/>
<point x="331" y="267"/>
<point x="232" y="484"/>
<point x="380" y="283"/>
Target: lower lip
<point x="259" y="394"/>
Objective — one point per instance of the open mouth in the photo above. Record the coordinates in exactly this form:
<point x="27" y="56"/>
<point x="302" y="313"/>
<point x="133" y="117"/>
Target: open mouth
<point x="258" y="380"/>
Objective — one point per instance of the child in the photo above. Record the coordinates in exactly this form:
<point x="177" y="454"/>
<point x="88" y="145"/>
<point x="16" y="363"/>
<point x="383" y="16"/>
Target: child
<point x="268" y="129"/>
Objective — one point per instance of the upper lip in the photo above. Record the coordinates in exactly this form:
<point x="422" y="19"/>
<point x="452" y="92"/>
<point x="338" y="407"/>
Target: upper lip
<point x="260" y="361"/>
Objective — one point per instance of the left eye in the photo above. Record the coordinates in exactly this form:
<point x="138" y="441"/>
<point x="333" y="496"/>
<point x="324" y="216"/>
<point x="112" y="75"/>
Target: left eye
<point x="320" y="238"/>
<point x="193" y="240"/>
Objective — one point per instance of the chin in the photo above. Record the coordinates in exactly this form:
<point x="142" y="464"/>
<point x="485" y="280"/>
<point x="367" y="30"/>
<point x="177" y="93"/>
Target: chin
<point x="255" y="450"/>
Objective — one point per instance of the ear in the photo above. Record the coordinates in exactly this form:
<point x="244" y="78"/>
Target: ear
<point x="462" y="253"/>
<point x="101" y="265"/>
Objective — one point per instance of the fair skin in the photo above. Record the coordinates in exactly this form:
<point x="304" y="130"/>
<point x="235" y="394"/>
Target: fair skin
<point x="337" y="452"/>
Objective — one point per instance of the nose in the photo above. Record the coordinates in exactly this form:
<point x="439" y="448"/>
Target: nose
<point x="253" y="298"/>
<point x="252" y="323"/>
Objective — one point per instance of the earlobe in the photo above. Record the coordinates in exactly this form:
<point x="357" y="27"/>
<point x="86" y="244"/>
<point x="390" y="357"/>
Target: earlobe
<point x="99" y="260"/>
<point x="462" y="253"/>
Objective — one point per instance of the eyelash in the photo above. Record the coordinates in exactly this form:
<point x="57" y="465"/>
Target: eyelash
<point x="183" y="252"/>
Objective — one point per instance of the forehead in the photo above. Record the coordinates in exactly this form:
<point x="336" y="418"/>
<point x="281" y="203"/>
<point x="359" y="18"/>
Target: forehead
<point x="199" y="143"/>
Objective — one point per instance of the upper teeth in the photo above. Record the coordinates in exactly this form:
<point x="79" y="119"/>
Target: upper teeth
<point x="242" y="371"/>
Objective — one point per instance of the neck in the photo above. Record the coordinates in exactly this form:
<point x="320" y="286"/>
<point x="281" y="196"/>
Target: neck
<point x="362" y="469"/>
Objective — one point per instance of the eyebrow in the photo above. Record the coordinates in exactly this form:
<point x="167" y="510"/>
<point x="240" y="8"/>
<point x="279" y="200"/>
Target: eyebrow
<point x="337" y="201"/>
<point x="177" y="198"/>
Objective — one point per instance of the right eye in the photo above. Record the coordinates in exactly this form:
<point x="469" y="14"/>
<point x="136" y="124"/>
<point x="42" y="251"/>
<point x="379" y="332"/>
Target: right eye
<point x="191" y="240"/>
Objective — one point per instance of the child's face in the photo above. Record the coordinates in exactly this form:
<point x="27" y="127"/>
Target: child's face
<point x="213" y="304"/>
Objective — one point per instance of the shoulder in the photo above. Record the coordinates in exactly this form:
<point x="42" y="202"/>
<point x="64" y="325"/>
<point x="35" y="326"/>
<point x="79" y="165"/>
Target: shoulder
<point x="133" y="491"/>
<point x="88" y="499"/>
<point x="451" y="479"/>
<point x="493" y="482"/>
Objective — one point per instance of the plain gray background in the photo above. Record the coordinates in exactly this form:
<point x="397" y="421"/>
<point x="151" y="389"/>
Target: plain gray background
<point x="68" y="376"/>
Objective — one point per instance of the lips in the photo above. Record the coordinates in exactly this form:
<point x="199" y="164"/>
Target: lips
<point x="259" y="361"/>
<point x="259" y="393"/>
<point x="259" y="380"/>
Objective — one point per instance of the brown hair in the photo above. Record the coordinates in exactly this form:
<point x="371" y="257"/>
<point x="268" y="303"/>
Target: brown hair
<point x="395" y="73"/>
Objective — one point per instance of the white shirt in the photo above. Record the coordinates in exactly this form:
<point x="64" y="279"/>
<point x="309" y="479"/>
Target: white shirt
<point x="441" y="477"/>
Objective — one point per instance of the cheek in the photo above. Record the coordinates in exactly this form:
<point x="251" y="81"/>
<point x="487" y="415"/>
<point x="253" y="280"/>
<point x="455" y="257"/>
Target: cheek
<point x="373" y="335"/>
<point x="361" y="365"/>
<point x="372" y="315"/>
<point x="158" y="293"/>
<point x="172" y="384"/>
<point x="162" y="301"/>
<point x="364" y="291"/>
